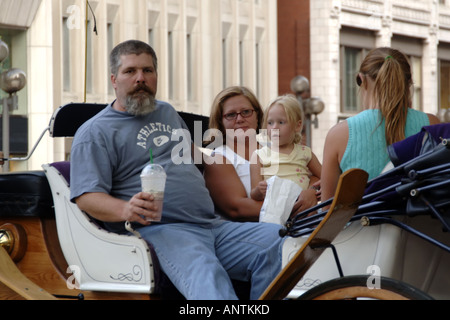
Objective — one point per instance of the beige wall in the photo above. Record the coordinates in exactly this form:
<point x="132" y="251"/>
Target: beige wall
<point x="249" y="22"/>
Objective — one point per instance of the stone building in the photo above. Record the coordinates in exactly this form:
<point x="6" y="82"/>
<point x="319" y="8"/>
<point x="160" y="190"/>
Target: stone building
<point x="335" y="35"/>
<point x="206" y="45"/>
<point x="202" y="46"/>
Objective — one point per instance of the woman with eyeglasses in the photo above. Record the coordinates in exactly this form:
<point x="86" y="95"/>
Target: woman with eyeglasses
<point x="361" y="141"/>
<point x="235" y="120"/>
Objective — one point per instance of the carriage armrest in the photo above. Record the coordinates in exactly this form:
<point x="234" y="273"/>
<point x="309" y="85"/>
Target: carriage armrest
<point x="100" y="260"/>
<point x="63" y="168"/>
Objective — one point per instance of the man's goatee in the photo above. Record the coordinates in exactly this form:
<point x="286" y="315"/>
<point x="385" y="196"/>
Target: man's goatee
<point x="140" y="104"/>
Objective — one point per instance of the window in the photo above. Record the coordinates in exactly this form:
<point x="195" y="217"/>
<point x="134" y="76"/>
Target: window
<point x="151" y="38"/>
<point x="171" y="62"/>
<point x="444" y="85"/>
<point x="258" y="68"/>
<point x="227" y="54"/>
<point x="416" y="69"/>
<point x="243" y="54"/>
<point x="224" y="63"/>
<point x="413" y="49"/>
<point x="241" y="63"/>
<point x="111" y="37"/>
<point x="153" y="27"/>
<point x="89" y="59"/>
<point x="355" y="44"/>
<point x="110" y="44"/>
<point x="66" y="56"/>
<point x="351" y="60"/>
<point x="189" y="69"/>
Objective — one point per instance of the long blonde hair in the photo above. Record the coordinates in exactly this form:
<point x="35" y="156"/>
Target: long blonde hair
<point x="391" y="71"/>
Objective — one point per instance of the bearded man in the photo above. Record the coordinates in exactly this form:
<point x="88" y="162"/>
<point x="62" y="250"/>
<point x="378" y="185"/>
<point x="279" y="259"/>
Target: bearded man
<point x="198" y="251"/>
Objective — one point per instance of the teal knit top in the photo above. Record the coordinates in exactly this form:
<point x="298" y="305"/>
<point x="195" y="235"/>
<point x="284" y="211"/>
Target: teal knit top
<point x="366" y="147"/>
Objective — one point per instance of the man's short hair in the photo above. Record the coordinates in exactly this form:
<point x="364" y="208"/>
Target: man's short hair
<point x="130" y="47"/>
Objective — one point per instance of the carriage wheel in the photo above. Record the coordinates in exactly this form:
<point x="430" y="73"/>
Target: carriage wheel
<point x="354" y="287"/>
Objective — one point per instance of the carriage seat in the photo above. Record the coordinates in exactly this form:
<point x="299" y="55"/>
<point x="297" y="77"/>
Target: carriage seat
<point x="99" y="260"/>
<point x="104" y="261"/>
<point x="25" y="194"/>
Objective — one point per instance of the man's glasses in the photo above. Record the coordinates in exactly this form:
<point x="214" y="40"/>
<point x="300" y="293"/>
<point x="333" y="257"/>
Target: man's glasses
<point x="244" y="114"/>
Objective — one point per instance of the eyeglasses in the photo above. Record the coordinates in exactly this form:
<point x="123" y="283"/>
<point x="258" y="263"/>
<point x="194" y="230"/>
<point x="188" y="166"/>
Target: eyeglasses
<point x="244" y="114"/>
<point x="358" y="80"/>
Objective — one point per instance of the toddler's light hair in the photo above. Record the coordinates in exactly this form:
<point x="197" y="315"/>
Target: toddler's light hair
<point x="294" y="113"/>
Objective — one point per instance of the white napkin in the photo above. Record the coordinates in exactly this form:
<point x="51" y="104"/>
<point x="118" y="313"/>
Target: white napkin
<point x="280" y="199"/>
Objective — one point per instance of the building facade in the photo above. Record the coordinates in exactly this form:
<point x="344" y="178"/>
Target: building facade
<point x="325" y="41"/>
<point x="202" y="47"/>
<point x="342" y="32"/>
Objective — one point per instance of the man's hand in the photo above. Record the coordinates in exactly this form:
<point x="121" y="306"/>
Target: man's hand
<point x="141" y="207"/>
<point x="106" y="208"/>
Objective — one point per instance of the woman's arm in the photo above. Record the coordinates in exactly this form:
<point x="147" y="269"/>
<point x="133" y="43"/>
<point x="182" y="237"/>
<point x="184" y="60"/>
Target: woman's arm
<point x="334" y="148"/>
<point x="228" y="192"/>
<point x="433" y="119"/>
<point x="258" y="185"/>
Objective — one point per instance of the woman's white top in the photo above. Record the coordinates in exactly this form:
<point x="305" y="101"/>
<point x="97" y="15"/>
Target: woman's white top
<point x="241" y="165"/>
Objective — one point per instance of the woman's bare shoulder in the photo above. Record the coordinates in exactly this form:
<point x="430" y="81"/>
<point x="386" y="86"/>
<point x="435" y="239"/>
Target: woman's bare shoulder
<point x="338" y="131"/>
<point x="433" y="119"/>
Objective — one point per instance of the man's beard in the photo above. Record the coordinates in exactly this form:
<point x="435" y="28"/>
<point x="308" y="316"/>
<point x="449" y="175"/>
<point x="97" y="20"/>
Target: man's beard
<point x="140" y="103"/>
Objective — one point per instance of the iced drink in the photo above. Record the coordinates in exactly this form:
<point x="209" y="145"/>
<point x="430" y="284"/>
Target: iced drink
<point x="153" y="179"/>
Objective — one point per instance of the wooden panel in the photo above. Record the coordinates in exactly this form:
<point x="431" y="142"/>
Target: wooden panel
<point x="45" y="266"/>
<point x="11" y="276"/>
<point x="348" y="194"/>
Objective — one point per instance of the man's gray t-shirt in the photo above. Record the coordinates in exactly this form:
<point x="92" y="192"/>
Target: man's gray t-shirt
<point x="110" y="150"/>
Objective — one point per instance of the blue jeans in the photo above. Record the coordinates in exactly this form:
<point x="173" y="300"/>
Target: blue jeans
<point x="200" y="261"/>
